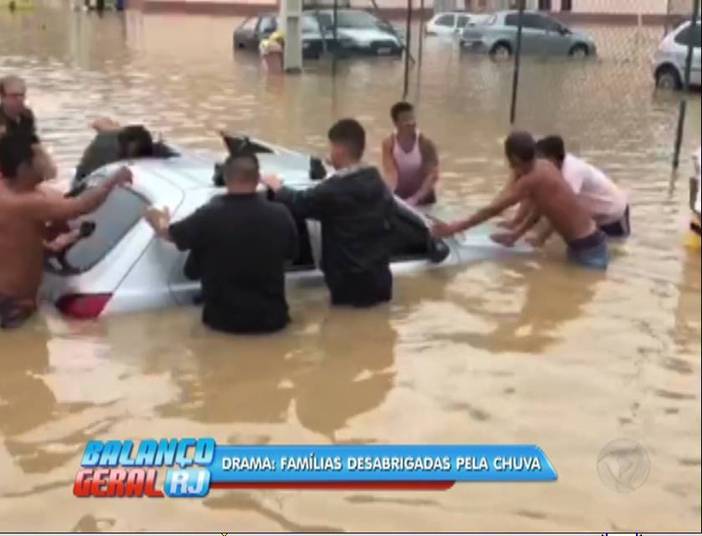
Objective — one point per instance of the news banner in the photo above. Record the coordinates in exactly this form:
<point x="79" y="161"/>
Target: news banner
<point x="192" y="468"/>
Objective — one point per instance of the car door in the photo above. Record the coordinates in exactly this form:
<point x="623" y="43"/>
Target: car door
<point x="266" y="26"/>
<point x="556" y="40"/>
<point x="445" y="24"/>
<point x="246" y="34"/>
<point x="531" y="32"/>
<point x="535" y="38"/>
<point x="461" y="23"/>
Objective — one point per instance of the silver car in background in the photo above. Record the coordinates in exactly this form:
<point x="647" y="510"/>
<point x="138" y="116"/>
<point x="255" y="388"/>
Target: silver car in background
<point x="671" y="57"/>
<point x="453" y="23"/>
<point x="541" y="35"/>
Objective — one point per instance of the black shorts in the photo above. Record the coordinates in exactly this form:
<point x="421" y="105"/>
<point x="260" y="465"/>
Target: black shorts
<point x="14" y="312"/>
<point x="620" y="228"/>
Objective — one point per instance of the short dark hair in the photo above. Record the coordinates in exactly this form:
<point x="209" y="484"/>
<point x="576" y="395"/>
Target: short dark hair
<point x="521" y="145"/>
<point x="551" y="147"/>
<point x="14" y="151"/>
<point x="399" y="109"/>
<point x="242" y="166"/>
<point x="138" y="137"/>
<point x="350" y="133"/>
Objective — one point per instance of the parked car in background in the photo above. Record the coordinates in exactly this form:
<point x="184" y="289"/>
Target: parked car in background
<point x="541" y="35"/>
<point x="365" y="33"/>
<point x="671" y="57"/>
<point x="358" y="32"/>
<point x="253" y="31"/>
<point x="453" y="23"/>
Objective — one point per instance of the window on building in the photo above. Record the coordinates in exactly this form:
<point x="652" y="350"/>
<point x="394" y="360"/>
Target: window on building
<point x="566" y="5"/>
<point x="545" y="5"/>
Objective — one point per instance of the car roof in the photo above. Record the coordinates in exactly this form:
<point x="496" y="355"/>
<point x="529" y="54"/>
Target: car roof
<point x="190" y="171"/>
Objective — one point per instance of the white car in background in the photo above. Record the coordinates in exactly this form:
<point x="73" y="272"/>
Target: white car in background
<point x="123" y="267"/>
<point x="453" y="23"/>
<point x="671" y="58"/>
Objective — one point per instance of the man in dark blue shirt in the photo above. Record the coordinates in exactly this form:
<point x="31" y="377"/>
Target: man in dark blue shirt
<point x="356" y="210"/>
<point x="241" y="242"/>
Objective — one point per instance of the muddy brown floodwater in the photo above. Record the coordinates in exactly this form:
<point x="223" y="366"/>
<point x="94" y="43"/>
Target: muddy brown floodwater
<point x="522" y="350"/>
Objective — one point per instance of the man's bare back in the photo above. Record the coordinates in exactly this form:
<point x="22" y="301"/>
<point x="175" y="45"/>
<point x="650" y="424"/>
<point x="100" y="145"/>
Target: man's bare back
<point x="21" y="248"/>
<point x="553" y="197"/>
<point x="539" y="186"/>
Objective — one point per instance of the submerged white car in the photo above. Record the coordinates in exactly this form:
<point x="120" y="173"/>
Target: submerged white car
<point x="123" y="267"/>
<point x="453" y="22"/>
<point x="670" y="60"/>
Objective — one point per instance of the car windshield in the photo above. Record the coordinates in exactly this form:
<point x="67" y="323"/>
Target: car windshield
<point x="350" y="19"/>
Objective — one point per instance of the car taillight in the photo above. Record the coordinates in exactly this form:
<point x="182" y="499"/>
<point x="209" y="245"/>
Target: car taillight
<point x="83" y="306"/>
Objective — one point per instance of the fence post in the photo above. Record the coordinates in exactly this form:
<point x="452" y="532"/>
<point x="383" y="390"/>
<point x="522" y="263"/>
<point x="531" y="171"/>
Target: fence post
<point x="408" y="43"/>
<point x="686" y="87"/>
<point x="517" y="63"/>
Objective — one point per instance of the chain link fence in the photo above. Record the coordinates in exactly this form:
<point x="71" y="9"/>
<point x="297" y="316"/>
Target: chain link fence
<point x="595" y="62"/>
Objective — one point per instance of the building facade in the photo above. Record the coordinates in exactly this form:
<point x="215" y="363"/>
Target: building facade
<point x="616" y="11"/>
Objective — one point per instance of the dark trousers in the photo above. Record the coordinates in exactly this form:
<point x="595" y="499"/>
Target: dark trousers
<point x="361" y="289"/>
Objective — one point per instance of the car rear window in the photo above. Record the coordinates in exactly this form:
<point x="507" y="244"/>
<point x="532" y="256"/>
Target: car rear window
<point x="113" y="220"/>
<point x="690" y="34"/>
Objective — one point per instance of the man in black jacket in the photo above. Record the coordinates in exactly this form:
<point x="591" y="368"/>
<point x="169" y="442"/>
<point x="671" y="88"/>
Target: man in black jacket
<point x="355" y="209"/>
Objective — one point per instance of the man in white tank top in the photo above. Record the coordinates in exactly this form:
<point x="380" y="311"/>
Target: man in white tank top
<point x="410" y="159"/>
<point x="606" y="203"/>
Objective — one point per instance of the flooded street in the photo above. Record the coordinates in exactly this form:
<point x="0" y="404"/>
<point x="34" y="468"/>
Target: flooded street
<point x="516" y="350"/>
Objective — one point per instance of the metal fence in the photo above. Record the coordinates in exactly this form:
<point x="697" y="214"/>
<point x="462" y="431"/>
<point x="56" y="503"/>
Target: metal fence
<point x="620" y="75"/>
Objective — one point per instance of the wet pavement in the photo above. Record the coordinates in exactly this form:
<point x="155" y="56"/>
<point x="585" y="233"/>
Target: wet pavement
<point x="523" y="350"/>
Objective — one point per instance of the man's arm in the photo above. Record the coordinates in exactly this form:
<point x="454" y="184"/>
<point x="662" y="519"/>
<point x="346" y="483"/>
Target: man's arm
<point x="160" y="222"/>
<point x="510" y="238"/>
<point x="430" y="157"/>
<point x="542" y="237"/>
<point x="311" y="203"/>
<point x="514" y="193"/>
<point x="45" y="208"/>
<point x="389" y="167"/>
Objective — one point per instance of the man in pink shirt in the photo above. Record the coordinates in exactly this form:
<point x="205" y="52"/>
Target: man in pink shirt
<point x="606" y="203"/>
<point x="410" y="159"/>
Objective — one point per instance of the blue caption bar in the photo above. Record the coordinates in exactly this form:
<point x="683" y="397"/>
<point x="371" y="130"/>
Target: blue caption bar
<point x="386" y="463"/>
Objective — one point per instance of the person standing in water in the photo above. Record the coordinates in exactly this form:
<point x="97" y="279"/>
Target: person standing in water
<point x="25" y="215"/>
<point x="540" y="183"/>
<point x="17" y="119"/>
<point x="410" y="159"/>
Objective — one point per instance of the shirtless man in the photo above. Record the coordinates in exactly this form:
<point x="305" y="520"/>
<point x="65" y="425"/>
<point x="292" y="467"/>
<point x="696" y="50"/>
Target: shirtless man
<point x="541" y="184"/>
<point x="410" y="159"/>
<point x="26" y="212"/>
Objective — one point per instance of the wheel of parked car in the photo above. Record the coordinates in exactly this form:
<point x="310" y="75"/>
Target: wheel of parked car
<point x="579" y="51"/>
<point x="667" y="77"/>
<point x="501" y="51"/>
